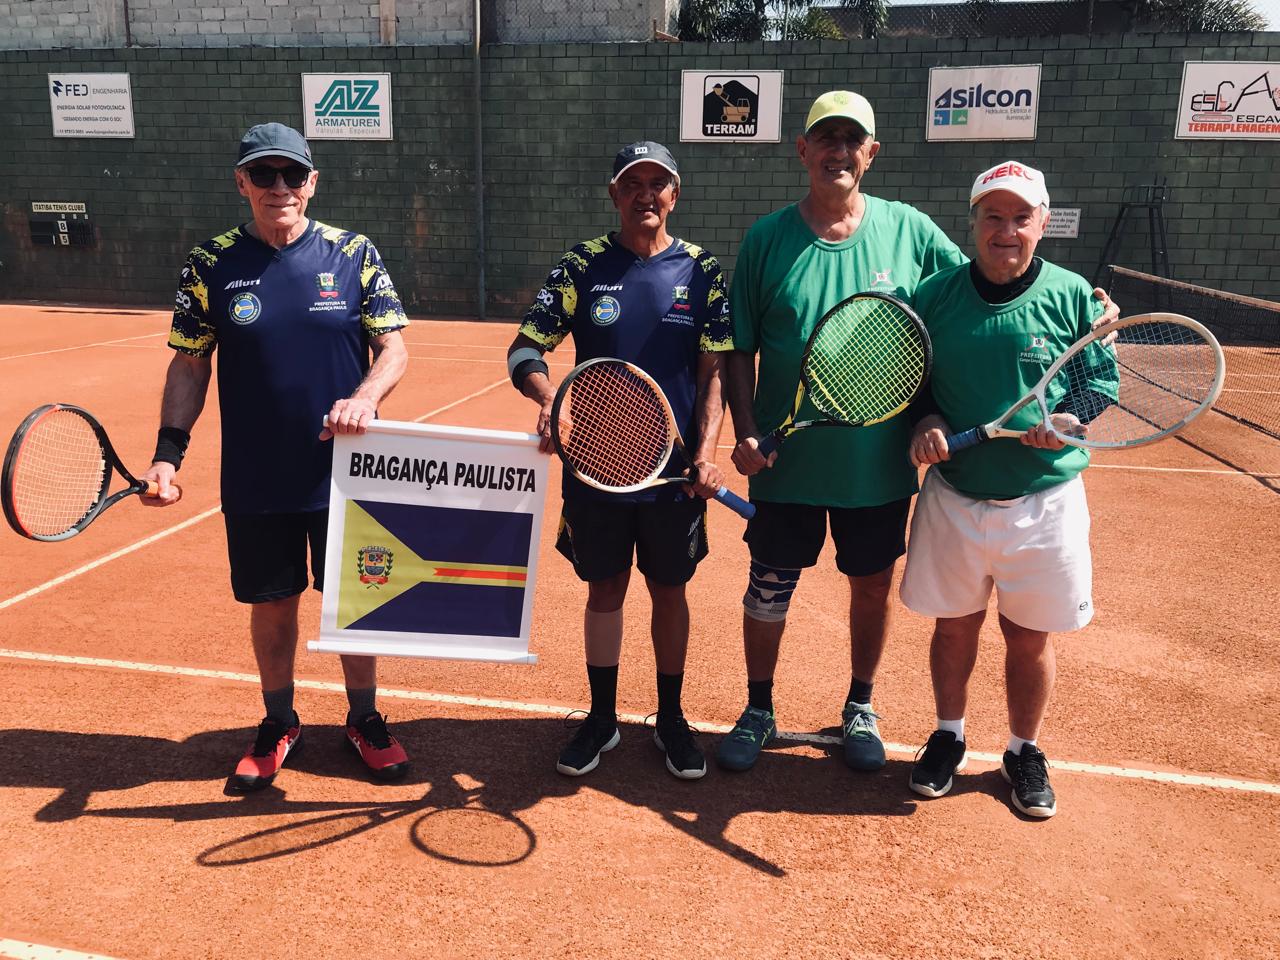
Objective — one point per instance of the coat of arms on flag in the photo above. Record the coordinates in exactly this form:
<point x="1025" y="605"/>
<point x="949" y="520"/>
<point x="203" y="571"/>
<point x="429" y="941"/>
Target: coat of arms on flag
<point x="432" y="546"/>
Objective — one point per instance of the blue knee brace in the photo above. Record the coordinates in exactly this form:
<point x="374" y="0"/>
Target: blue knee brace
<point x="769" y="592"/>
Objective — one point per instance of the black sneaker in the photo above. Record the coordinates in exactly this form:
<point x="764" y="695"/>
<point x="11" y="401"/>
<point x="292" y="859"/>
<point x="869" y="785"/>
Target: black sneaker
<point x="936" y="764"/>
<point x="1028" y="772"/>
<point x="675" y="738"/>
<point x="596" y="735"/>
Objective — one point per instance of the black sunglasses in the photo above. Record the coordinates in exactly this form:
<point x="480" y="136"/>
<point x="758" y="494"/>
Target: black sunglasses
<point x="294" y="175"/>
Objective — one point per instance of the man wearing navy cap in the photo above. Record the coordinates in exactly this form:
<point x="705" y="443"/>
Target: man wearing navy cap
<point x="294" y="309"/>
<point x="641" y="295"/>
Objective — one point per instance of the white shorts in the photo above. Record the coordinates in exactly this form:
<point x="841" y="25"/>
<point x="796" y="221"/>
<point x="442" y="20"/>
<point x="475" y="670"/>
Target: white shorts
<point x="1034" y="550"/>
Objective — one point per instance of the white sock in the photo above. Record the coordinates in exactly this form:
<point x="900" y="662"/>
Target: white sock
<point x="1016" y="744"/>
<point x="952" y="726"/>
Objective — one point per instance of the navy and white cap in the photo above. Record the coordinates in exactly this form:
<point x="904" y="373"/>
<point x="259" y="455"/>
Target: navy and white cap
<point x="274" y="140"/>
<point x="643" y="151"/>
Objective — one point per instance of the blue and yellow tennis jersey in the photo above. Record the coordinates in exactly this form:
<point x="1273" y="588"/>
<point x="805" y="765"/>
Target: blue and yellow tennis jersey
<point x="659" y="314"/>
<point x="291" y="327"/>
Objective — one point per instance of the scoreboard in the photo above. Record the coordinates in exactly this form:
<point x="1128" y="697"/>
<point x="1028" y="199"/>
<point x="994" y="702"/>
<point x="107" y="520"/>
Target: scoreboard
<point x="60" y="225"/>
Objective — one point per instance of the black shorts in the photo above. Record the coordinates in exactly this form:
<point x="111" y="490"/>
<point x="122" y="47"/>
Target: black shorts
<point x="268" y="553"/>
<point x="790" y="535"/>
<point x="668" y="539"/>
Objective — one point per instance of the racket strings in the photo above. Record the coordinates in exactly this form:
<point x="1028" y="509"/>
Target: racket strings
<point x="58" y="474"/>
<point x="866" y="362"/>
<point x="619" y="433"/>
<point x="1150" y="381"/>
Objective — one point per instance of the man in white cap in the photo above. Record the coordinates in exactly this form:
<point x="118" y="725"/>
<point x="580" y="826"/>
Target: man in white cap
<point x="1006" y="515"/>
<point x="641" y="295"/>
<point x="794" y="266"/>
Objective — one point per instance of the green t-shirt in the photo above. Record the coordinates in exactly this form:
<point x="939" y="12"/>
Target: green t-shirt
<point x="785" y="281"/>
<point x="988" y="356"/>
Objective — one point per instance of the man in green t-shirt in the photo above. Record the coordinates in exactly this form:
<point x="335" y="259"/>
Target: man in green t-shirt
<point x="794" y="266"/>
<point x="1006" y="515"/>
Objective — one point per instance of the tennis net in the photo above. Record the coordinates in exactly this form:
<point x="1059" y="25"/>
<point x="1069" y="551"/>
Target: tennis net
<point x="1247" y="328"/>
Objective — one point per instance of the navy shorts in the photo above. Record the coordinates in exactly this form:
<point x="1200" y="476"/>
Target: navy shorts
<point x="268" y="553"/>
<point x="668" y="538"/>
<point x="790" y="535"/>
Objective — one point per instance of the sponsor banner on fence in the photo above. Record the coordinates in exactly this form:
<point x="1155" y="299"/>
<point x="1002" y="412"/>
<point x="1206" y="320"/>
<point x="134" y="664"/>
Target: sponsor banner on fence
<point x="734" y="106"/>
<point x="433" y="543"/>
<point x="983" y="103"/>
<point x="1229" y="101"/>
<point x="346" y="106"/>
<point x="91" y="104"/>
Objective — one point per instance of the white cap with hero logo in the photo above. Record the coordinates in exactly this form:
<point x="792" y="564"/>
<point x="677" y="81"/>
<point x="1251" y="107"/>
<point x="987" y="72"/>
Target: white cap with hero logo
<point x="1013" y="177"/>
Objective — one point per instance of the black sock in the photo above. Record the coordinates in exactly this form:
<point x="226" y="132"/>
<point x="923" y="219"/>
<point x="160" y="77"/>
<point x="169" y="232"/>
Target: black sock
<point x="360" y="703"/>
<point x="604" y="691"/>
<point x="859" y="691"/>
<point x="279" y="704"/>
<point x="669" y="685"/>
<point x="760" y="694"/>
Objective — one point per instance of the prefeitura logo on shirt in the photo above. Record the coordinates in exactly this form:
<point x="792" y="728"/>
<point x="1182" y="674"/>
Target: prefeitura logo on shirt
<point x="330" y="296"/>
<point x="1036" y="352"/>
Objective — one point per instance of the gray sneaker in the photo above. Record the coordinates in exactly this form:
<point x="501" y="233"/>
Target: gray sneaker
<point x="863" y="748"/>
<point x="741" y="746"/>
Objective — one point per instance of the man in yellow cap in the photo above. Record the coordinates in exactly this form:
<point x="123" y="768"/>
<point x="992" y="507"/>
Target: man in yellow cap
<point x="794" y="265"/>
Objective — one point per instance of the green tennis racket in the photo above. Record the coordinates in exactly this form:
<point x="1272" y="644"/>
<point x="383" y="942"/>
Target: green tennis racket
<point x="865" y="361"/>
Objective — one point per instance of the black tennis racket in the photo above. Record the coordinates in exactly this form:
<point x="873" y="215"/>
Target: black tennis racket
<point x="613" y="427"/>
<point x="57" y="473"/>
<point x="1124" y="384"/>
<point x="865" y="361"/>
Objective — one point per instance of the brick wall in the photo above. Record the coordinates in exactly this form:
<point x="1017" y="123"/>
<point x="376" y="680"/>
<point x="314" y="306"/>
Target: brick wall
<point x="554" y="114"/>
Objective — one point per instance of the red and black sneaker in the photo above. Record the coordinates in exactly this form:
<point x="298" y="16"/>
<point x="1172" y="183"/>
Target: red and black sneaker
<point x="380" y="751"/>
<point x="259" y="766"/>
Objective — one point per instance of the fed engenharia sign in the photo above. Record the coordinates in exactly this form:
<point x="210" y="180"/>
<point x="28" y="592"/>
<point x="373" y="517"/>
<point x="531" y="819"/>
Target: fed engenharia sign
<point x="983" y="103"/>
<point x="1229" y="101"/>
<point x="735" y="106"/>
<point x="91" y="104"/>
<point x="346" y="106"/>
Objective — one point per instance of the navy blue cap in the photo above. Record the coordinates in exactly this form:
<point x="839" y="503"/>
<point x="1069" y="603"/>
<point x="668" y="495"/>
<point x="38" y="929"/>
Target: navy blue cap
<point x="274" y="140"/>
<point x="645" y="151"/>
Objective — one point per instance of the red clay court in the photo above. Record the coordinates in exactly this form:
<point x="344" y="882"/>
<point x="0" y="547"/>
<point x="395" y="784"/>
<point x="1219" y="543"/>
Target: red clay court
<point x="129" y="691"/>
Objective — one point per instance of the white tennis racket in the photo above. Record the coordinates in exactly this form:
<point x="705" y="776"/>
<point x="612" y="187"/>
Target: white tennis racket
<point x="1159" y="373"/>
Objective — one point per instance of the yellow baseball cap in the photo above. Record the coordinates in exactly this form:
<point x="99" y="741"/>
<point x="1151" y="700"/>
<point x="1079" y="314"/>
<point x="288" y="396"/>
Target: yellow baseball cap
<point x="842" y="103"/>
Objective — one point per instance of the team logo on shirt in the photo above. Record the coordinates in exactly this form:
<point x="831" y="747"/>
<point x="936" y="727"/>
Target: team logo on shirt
<point x="882" y="276"/>
<point x="680" y="298"/>
<point x="605" y="311"/>
<point x="326" y="284"/>
<point x="245" y="308"/>
<point x="373" y="564"/>
<point x="1037" y="352"/>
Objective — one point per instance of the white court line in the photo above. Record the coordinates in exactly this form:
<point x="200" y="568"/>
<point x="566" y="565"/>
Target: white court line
<point x="83" y="346"/>
<point x="124" y="551"/>
<point x="94" y="564"/>
<point x="516" y="706"/>
<point x="469" y="396"/>
<point x="21" y="950"/>
<point x="502" y="360"/>
<point x="1126" y="466"/>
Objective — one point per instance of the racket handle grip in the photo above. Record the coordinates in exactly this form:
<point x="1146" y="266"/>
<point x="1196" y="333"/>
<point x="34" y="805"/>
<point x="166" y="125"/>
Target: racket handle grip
<point x="963" y="441"/>
<point x="768" y="445"/>
<point x="735" y="503"/>
<point x="153" y="490"/>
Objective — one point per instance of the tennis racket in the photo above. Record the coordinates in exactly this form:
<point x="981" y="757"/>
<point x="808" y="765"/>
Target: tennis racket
<point x="865" y="361"/>
<point x="612" y="426"/>
<point x="1159" y="373"/>
<point x="57" y="473"/>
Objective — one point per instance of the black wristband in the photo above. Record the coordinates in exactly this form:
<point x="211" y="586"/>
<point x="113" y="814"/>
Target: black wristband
<point x="171" y="446"/>
<point x="526" y="367"/>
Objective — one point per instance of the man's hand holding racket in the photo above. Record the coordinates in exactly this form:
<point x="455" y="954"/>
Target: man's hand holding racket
<point x="167" y="492"/>
<point x="748" y="458"/>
